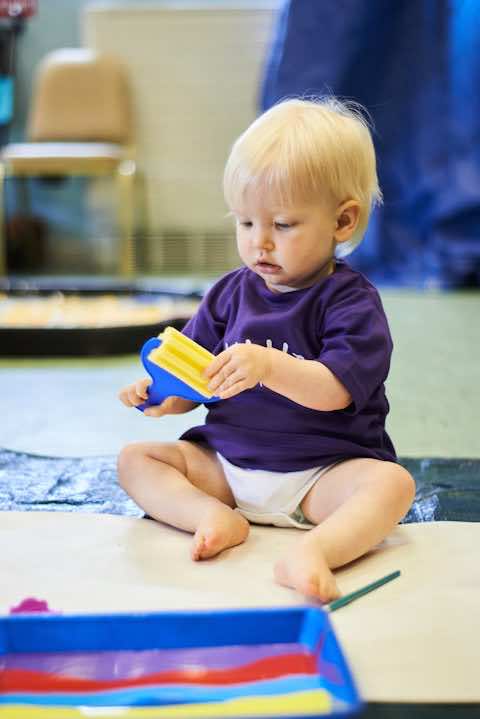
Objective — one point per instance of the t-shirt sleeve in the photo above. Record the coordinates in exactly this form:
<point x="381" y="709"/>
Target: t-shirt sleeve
<point x="207" y="326"/>
<point x="357" y="345"/>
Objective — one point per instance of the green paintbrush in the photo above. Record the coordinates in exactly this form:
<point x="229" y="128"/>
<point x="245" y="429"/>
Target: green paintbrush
<point x="338" y="603"/>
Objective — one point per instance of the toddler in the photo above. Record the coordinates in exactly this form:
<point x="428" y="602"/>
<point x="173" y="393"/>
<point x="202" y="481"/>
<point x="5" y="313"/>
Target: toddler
<point x="302" y="350"/>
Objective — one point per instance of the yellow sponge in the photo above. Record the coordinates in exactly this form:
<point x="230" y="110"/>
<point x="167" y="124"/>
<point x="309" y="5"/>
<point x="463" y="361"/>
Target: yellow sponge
<point x="184" y="359"/>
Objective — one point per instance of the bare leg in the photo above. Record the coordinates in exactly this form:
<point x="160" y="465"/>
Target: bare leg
<point x="183" y="484"/>
<point x="355" y="505"/>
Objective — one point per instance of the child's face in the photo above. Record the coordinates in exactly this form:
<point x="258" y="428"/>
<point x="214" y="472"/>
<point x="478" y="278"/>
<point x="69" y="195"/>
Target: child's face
<point x="286" y="246"/>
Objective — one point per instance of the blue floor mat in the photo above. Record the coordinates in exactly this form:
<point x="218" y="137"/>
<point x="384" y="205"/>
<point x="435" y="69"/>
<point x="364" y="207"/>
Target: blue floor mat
<point x="447" y="489"/>
<point x="63" y="484"/>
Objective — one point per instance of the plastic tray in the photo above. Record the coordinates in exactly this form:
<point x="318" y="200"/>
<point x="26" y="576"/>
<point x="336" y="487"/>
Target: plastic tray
<point x="242" y="663"/>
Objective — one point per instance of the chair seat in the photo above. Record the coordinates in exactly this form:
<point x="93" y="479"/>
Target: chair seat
<point x="57" y="158"/>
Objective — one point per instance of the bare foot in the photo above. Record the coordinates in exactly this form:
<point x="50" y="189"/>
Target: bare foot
<point x="306" y="570"/>
<point x="218" y="530"/>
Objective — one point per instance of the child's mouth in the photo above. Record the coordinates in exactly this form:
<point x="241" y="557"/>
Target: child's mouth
<point x="268" y="268"/>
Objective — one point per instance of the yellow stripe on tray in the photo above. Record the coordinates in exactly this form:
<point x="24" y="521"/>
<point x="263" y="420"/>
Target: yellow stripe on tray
<point x="184" y="358"/>
<point x="313" y="702"/>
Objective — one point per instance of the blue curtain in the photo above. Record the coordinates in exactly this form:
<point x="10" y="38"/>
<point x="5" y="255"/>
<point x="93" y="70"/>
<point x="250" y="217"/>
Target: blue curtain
<point x="415" y="66"/>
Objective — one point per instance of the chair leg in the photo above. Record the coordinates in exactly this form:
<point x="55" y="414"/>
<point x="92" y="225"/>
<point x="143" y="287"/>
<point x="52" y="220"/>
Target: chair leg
<point x="3" y="229"/>
<point x="125" y="179"/>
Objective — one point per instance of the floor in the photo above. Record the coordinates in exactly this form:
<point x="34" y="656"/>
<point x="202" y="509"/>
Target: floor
<point x="69" y="407"/>
<point x="122" y="564"/>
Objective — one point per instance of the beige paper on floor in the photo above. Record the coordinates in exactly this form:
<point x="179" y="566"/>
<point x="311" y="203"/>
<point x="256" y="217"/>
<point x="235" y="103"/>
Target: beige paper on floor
<point x="414" y="639"/>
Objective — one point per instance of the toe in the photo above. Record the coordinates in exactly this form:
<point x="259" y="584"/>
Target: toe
<point x="197" y="547"/>
<point x="322" y="589"/>
<point x="205" y="546"/>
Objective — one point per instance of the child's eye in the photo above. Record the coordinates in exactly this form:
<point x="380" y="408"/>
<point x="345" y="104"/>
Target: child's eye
<point x="245" y="223"/>
<point x="283" y="225"/>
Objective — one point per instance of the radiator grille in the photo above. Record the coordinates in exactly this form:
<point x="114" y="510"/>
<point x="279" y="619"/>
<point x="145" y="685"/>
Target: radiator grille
<point x="206" y="253"/>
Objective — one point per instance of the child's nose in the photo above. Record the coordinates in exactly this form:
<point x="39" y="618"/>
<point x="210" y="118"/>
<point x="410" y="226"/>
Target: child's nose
<point x="263" y="238"/>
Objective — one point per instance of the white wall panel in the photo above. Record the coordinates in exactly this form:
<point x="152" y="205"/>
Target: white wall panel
<point x="195" y="71"/>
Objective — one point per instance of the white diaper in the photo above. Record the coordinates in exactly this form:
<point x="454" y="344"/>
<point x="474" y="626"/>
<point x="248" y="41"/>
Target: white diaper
<point x="274" y="498"/>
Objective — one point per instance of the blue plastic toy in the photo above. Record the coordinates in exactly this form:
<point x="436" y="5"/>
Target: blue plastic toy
<point x="164" y="384"/>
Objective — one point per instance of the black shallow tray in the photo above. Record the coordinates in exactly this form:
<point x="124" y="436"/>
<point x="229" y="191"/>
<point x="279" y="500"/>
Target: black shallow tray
<point x="91" y="341"/>
<point x="70" y="342"/>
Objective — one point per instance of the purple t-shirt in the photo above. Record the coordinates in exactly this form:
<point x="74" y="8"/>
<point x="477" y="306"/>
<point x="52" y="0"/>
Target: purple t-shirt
<point x="341" y="322"/>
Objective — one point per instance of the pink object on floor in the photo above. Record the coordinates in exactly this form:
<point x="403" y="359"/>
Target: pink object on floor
<point x="30" y="604"/>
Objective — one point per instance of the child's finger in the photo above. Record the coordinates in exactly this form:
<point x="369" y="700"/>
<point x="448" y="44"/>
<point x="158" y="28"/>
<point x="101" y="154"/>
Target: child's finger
<point x="216" y="365"/>
<point x="141" y="387"/>
<point x="154" y="411"/>
<point x="223" y="375"/>
<point x="132" y="397"/>
<point x="232" y="390"/>
<point x="128" y="395"/>
<point x="123" y="397"/>
<point x="157" y="410"/>
<point x="235" y="383"/>
<point x="135" y="398"/>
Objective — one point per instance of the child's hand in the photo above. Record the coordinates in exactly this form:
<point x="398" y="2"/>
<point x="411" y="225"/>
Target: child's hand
<point x="136" y="394"/>
<point x="170" y="405"/>
<point x="238" y="368"/>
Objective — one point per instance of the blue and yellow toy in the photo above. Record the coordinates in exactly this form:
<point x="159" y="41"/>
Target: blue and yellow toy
<point x="176" y="365"/>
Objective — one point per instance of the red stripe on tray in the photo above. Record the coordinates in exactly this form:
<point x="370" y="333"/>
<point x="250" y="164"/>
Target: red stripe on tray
<point x="21" y="680"/>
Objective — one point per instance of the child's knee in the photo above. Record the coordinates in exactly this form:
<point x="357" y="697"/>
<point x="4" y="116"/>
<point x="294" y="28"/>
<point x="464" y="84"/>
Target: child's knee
<point x="132" y="458"/>
<point x="404" y="485"/>
<point x="392" y="482"/>
<point x="410" y="487"/>
<point x="128" y="462"/>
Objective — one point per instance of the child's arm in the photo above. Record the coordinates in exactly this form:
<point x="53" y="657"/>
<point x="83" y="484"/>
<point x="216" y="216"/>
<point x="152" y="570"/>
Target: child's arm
<point x="135" y="394"/>
<point x="307" y="382"/>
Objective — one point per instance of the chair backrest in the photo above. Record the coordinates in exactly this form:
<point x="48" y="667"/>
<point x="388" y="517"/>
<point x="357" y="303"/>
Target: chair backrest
<point x="80" y="95"/>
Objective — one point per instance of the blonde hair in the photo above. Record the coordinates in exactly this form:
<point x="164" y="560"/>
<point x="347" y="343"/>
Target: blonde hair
<point x="307" y="151"/>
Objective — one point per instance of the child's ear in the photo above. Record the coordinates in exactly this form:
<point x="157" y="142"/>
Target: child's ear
<point x="347" y="218"/>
